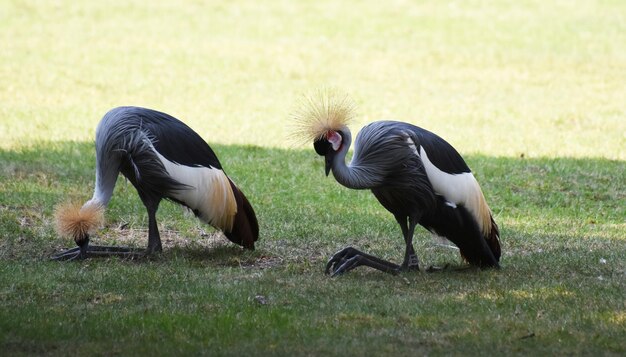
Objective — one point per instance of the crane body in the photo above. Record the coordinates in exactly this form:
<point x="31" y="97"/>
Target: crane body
<point x="163" y="159"/>
<point x="415" y="174"/>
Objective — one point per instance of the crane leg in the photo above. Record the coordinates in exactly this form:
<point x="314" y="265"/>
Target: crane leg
<point x="154" y="238"/>
<point x="85" y="251"/>
<point x="350" y="258"/>
<point x="411" y="262"/>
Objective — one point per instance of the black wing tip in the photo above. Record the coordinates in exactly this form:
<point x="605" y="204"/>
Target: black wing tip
<point x="245" y="230"/>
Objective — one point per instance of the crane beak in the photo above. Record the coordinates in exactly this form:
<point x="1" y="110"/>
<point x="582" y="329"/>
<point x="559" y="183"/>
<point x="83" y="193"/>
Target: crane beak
<point x="329" y="161"/>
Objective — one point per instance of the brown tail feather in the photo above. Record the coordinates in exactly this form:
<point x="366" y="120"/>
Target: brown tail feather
<point x="459" y="226"/>
<point x="493" y="239"/>
<point x="245" y="227"/>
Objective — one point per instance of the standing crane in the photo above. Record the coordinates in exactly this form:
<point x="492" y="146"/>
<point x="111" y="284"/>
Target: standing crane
<point x="415" y="174"/>
<point x="164" y="159"/>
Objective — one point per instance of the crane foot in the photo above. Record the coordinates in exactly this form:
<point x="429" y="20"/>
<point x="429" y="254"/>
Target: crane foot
<point x="411" y="263"/>
<point x="98" y="251"/>
<point x="448" y="267"/>
<point x="350" y="258"/>
<point x="436" y="268"/>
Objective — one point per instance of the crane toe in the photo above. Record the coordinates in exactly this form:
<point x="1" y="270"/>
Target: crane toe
<point x="99" y="251"/>
<point x="67" y="255"/>
<point x="350" y="258"/>
<point x="338" y="259"/>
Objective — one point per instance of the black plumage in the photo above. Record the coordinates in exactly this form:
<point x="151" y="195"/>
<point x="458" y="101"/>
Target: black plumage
<point x="163" y="159"/>
<point x="415" y="174"/>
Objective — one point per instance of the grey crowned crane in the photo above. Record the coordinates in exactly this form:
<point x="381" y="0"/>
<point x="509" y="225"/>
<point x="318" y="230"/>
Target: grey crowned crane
<point x="164" y="159"/>
<point x="414" y="174"/>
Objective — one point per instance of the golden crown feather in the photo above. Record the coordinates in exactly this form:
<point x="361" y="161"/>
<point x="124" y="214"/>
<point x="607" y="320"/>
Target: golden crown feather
<point x="320" y="113"/>
<point x="74" y="220"/>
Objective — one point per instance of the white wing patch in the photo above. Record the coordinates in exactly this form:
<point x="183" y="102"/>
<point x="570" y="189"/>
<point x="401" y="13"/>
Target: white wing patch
<point x="412" y="145"/>
<point x="209" y="193"/>
<point x="459" y="189"/>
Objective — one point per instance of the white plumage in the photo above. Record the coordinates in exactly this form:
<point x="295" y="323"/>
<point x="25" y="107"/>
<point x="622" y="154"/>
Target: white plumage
<point x="208" y="192"/>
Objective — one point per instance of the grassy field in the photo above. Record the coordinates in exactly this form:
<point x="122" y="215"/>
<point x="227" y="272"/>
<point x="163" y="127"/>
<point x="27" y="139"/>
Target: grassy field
<point x="530" y="92"/>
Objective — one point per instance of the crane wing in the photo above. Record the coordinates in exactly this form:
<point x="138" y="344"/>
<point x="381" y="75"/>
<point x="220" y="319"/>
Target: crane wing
<point x="175" y="140"/>
<point x="450" y="176"/>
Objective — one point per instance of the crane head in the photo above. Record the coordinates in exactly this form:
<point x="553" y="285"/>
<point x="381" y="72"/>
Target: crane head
<point x="78" y="221"/>
<point x="323" y="119"/>
<point x="327" y="145"/>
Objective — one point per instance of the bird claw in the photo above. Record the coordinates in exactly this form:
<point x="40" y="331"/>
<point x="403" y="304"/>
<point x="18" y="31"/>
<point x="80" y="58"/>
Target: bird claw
<point x="347" y="265"/>
<point x="350" y="258"/>
<point x="445" y="267"/>
<point x="334" y="261"/>
<point x="338" y="260"/>
<point x="98" y="251"/>
<point x="68" y="255"/>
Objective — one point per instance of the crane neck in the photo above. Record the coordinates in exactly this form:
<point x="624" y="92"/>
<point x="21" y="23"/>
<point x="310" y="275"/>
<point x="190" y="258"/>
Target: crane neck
<point x="349" y="175"/>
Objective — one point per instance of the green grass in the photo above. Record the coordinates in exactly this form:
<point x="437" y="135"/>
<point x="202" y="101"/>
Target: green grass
<point x="531" y="93"/>
<point x="560" y="219"/>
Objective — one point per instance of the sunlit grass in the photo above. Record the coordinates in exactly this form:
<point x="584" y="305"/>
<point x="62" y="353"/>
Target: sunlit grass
<point x="506" y="78"/>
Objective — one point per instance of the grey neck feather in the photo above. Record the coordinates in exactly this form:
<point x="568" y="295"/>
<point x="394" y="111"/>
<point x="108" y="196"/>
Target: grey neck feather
<point x="353" y="175"/>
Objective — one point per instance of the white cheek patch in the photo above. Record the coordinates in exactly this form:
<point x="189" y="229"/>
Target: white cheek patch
<point x="209" y="193"/>
<point x="334" y="138"/>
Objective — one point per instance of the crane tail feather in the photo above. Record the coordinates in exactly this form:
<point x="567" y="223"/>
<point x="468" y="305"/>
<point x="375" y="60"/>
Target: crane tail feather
<point x="493" y="239"/>
<point x="459" y="226"/>
<point x="245" y="229"/>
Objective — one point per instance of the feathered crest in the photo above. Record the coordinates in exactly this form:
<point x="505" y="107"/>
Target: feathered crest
<point x="321" y="112"/>
<point x="75" y="221"/>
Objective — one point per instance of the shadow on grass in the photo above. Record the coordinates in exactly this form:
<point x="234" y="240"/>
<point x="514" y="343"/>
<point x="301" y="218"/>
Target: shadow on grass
<point x="560" y="289"/>
<point x="302" y="212"/>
